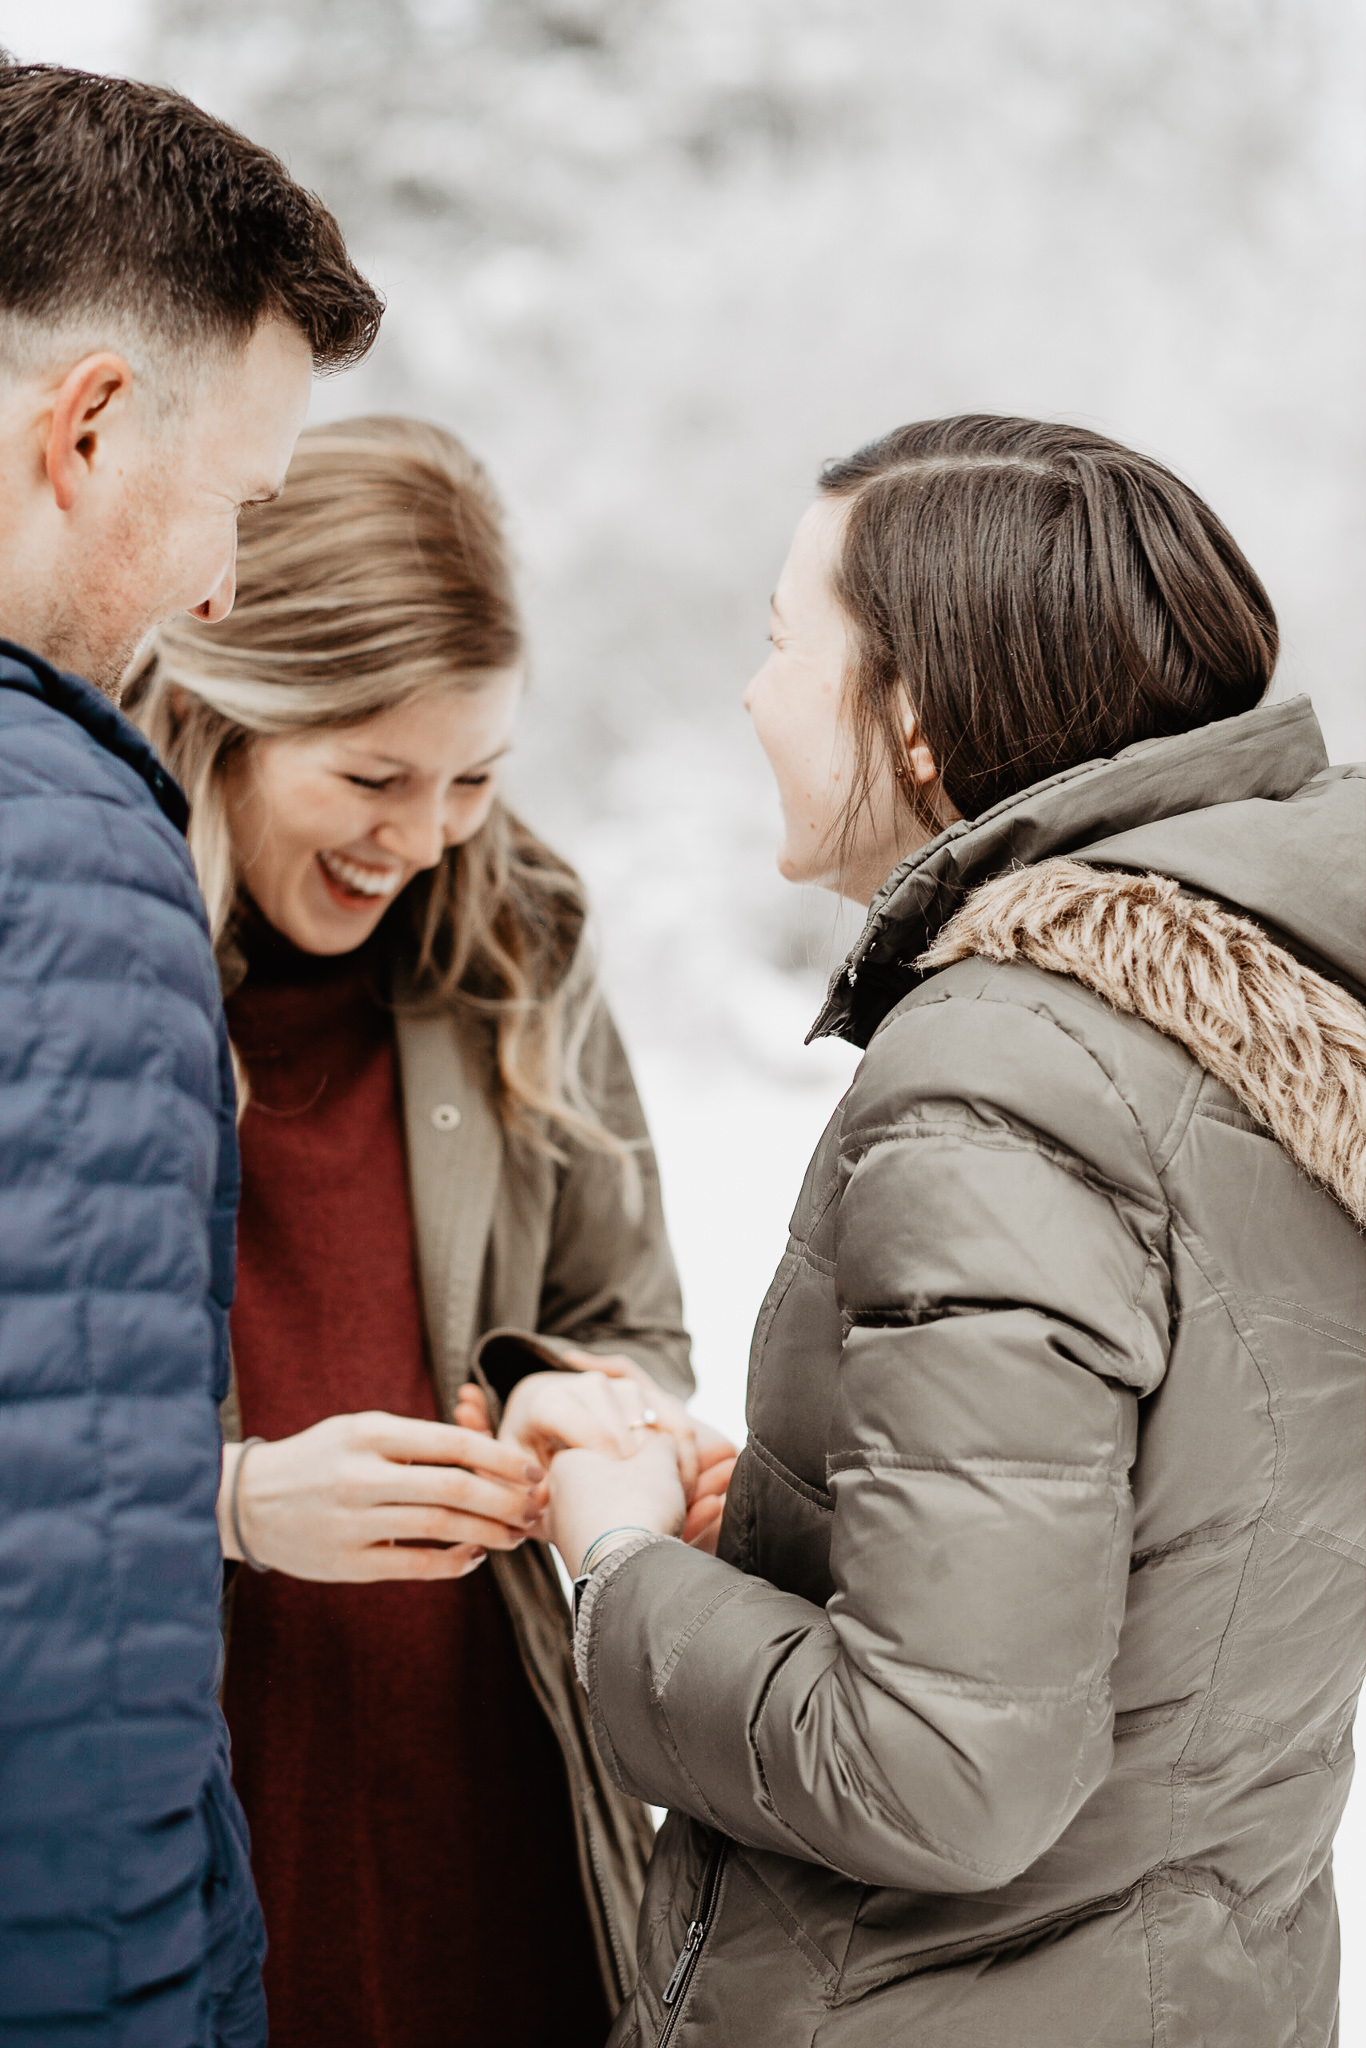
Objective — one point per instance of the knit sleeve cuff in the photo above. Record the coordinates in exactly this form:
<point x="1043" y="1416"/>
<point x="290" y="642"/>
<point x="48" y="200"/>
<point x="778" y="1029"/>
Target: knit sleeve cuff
<point x="592" y="1592"/>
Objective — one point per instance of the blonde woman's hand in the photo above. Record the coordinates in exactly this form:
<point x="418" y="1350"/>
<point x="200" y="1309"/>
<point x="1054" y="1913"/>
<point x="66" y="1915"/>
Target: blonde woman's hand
<point x="472" y="1409"/>
<point x="374" y="1496"/>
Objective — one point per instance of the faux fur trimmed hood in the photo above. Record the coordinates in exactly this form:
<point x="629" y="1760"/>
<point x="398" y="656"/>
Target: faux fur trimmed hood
<point x="1246" y="812"/>
<point x="1213" y="885"/>
<point x="1289" y="1043"/>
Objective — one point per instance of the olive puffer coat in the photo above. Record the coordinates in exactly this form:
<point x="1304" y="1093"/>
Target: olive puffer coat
<point x="1016" y="1710"/>
<point x="127" y="1911"/>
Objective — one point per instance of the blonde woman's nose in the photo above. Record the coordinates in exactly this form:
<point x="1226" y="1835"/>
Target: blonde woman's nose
<point x="416" y="834"/>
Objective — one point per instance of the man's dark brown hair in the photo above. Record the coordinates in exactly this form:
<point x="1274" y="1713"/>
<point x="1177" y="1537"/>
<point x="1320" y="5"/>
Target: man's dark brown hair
<point x="126" y="201"/>
<point x="1041" y="596"/>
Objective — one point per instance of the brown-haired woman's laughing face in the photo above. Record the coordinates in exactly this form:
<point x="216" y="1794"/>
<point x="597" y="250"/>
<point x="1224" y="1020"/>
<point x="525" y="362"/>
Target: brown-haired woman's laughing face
<point x="797" y="703"/>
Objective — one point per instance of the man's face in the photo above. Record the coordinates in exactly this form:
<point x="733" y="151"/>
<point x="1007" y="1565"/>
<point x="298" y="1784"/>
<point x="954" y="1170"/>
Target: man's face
<point x="153" y="529"/>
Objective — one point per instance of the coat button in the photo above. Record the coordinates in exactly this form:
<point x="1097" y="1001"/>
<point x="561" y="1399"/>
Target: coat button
<point x="445" y="1116"/>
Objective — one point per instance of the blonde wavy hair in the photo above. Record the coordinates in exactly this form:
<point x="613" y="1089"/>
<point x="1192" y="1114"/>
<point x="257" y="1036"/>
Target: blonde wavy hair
<point x="380" y="574"/>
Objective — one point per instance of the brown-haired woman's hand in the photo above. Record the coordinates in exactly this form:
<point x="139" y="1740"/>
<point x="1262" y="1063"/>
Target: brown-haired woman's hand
<point x="374" y="1496"/>
<point x="706" y="1458"/>
<point x="585" y="1410"/>
<point x="707" y="1501"/>
<point x="592" y="1495"/>
<point x="555" y="1411"/>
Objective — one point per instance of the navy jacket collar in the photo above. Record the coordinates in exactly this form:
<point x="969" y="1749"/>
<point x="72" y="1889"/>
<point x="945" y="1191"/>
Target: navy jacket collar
<point x="106" y="724"/>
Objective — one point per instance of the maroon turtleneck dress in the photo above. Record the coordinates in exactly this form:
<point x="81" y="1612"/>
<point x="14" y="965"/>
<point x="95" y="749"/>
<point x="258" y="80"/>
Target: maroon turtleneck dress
<point x="411" y="1830"/>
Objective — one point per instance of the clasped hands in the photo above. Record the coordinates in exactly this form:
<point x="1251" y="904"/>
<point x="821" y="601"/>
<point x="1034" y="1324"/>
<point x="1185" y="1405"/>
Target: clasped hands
<point x="619" y="1452"/>
<point x="374" y="1496"/>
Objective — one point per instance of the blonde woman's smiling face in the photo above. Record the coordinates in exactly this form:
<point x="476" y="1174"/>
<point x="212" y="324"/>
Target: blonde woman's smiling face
<point x="328" y="825"/>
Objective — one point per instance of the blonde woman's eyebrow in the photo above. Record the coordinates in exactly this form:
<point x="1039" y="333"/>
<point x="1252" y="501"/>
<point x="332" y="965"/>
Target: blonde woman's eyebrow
<point x="394" y="761"/>
<point x="488" y="760"/>
<point x="372" y="755"/>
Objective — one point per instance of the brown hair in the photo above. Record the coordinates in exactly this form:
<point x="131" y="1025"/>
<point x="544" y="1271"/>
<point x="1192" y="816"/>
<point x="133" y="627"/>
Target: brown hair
<point x="379" y="575"/>
<point x="126" y="203"/>
<point x="1041" y="596"/>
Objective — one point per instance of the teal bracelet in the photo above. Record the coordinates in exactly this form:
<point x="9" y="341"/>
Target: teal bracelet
<point x="623" y="1529"/>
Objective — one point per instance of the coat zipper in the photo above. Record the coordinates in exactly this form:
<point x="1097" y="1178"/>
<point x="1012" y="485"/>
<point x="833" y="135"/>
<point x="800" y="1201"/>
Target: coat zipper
<point x="703" y="1908"/>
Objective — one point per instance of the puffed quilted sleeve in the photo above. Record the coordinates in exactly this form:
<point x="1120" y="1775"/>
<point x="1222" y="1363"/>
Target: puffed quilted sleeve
<point x="1002" y="1291"/>
<point x="126" y="1906"/>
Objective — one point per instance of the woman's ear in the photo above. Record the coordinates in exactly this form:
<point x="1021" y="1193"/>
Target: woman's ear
<point x="925" y="769"/>
<point x="919" y="759"/>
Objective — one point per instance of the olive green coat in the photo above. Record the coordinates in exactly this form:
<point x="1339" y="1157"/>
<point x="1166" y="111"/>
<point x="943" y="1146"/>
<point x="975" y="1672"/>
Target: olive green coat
<point x="1016" y="1710"/>
<point x="510" y="1243"/>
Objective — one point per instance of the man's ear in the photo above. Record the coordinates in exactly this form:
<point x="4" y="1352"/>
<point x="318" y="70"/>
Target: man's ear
<point x="90" y="398"/>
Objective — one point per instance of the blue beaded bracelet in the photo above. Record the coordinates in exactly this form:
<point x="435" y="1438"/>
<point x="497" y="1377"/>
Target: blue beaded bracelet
<point x="590" y="1558"/>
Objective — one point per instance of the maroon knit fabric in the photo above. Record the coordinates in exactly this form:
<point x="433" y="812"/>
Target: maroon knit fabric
<point x="409" y="1808"/>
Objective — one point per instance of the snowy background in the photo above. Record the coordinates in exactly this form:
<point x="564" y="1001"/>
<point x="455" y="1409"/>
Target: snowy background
<point x="657" y="259"/>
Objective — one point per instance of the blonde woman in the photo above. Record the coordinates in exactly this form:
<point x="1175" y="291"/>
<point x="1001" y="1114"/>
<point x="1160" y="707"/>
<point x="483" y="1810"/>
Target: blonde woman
<point x="447" y="1186"/>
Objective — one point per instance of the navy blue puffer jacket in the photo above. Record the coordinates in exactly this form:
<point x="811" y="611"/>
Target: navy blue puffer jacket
<point x="127" y="1913"/>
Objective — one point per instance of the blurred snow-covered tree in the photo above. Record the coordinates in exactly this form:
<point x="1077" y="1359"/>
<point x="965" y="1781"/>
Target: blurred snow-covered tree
<point x="657" y="258"/>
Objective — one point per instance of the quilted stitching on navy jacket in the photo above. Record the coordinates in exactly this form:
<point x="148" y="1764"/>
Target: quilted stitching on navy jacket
<point x="127" y="1912"/>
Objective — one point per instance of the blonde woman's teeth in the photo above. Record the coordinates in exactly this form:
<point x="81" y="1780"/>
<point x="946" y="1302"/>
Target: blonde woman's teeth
<point x="361" y="881"/>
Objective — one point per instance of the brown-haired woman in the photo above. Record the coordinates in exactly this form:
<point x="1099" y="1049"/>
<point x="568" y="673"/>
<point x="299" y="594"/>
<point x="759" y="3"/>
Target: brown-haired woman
<point x="1016" y="1708"/>
<point x="445" y="1173"/>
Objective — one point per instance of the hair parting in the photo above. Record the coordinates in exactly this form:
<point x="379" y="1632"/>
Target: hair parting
<point x="1037" y="596"/>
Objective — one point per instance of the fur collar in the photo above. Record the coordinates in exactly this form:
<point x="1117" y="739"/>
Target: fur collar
<point x="1288" y="1043"/>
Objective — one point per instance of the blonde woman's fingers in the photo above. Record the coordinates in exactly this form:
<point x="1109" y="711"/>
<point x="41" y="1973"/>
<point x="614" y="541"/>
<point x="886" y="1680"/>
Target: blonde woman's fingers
<point x="453" y="1490"/>
<point x="472" y="1409"/>
<point x="407" y="1440"/>
<point x="428" y="1524"/>
<point x="508" y="1462"/>
<point x="403" y="1561"/>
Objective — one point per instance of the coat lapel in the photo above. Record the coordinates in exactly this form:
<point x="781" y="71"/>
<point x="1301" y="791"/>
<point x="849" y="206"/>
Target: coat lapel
<point x="455" y="1164"/>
